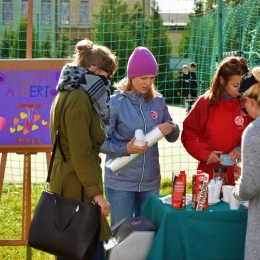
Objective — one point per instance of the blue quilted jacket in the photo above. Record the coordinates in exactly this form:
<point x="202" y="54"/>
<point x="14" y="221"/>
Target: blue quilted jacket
<point x="130" y="111"/>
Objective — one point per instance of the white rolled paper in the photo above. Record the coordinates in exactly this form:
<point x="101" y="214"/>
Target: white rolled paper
<point x="151" y="138"/>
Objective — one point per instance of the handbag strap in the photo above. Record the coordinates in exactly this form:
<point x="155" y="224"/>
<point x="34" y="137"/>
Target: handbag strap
<point x="57" y="141"/>
<point x="82" y="188"/>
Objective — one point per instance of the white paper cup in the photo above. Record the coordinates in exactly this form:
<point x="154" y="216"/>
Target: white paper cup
<point x="216" y="193"/>
<point x="120" y="162"/>
<point x="226" y="190"/>
<point x="153" y="136"/>
<point x="139" y="142"/>
<point x="234" y="203"/>
<point x="210" y="192"/>
<point x="140" y="139"/>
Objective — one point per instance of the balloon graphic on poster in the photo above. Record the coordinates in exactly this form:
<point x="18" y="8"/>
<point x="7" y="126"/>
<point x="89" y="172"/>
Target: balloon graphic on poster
<point x="3" y="123"/>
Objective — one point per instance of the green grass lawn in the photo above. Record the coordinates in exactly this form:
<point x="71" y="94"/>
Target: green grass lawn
<point x="11" y="220"/>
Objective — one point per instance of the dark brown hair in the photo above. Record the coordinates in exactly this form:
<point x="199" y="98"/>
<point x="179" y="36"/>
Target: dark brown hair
<point x="228" y="67"/>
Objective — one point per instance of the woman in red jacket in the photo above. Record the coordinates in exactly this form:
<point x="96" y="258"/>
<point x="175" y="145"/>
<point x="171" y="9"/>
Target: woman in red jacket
<point x="216" y="122"/>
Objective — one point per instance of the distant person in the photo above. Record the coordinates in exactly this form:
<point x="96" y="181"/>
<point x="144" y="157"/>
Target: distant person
<point x="248" y="185"/>
<point x="194" y="78"/>
<point x="216" y="122"/>
<point x="135" y="105"/>
<point x="184" y="85"/>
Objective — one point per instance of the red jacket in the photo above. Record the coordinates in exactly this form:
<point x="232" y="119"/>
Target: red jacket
<point x="214" y="128"/>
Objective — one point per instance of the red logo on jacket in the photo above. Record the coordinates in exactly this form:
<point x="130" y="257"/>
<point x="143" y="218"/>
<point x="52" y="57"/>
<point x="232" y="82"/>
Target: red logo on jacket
<point x="153" y="114"/>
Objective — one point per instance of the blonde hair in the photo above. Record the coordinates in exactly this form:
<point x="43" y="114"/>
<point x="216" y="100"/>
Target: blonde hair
<point x="126" y="85"/>
<point x="88" y="54"/>
<point x="254" y="90"/>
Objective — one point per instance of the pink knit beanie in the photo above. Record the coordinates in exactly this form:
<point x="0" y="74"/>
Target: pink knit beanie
<point x="141" y="62"/>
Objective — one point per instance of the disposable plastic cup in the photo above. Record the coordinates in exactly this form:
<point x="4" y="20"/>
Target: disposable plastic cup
<point x="210" y="192"/>
<point x="217" y="189"/>
<point x="226" y="189"/>
<point x="140" y="139"/>
<point x="234" y="203"/>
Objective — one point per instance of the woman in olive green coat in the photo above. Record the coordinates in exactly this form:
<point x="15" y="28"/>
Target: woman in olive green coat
<point x="83" y="118"/>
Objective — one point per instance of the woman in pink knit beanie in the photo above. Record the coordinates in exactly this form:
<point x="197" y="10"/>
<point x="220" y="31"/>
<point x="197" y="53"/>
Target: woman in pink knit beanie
<point x="135" y="105"/>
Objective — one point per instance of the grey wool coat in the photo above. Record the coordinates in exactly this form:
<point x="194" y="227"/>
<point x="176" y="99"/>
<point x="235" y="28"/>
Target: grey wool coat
<point x="248" y="187"/>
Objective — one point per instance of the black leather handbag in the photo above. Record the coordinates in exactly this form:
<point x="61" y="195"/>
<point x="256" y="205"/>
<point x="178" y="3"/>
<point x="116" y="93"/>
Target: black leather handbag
<point x="63" y="226"/>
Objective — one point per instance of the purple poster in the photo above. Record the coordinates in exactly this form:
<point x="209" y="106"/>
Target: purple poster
<point x="25" y="101"/>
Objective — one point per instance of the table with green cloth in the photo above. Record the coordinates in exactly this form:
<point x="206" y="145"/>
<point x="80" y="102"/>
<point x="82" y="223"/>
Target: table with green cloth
<point x="185" y="234"/>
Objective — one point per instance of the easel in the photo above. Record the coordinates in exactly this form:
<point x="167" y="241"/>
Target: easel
<point x="27" y="151"/>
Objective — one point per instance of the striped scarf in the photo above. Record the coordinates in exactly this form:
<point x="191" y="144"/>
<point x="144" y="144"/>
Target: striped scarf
<point x="97" y="88"/>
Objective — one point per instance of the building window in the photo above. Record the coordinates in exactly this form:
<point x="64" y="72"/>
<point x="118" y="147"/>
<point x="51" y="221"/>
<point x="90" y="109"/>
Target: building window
<point x="65" y="12"/>
<point x="83" y="12"/>
<point x="46" y="12"/>
<point x="24" y="8"/>
<point x="7" y="11"/>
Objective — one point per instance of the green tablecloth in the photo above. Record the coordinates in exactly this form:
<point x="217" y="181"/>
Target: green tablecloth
<point x="215" y="234"/>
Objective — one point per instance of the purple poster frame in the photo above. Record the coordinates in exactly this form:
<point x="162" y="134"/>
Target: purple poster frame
<point x="25" y="101"/>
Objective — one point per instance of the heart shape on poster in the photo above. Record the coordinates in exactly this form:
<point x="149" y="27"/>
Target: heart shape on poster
<point x="27" y="124"/>
<point x="12" y="130"/>
<point x="25" y="131"/>
<point x="19" y="128"/>
<point x="3" y="123"/>
<point x="44" y="122"/>
<point x="34" y="127"/>
<point x="36" y="117"/>
<point x="16" y="120"/>
<point x="23" y="115"/>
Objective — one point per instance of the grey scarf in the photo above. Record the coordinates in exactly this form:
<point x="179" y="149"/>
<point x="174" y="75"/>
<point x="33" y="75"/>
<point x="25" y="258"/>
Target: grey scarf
<point x="97" y="88"/>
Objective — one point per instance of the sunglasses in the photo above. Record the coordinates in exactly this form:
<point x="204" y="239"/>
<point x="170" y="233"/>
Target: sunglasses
<point x="238" y="60"/>
<point x="109" y="75"/>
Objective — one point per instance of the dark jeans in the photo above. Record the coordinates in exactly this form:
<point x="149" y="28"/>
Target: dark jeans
<point x="99" y="255"/>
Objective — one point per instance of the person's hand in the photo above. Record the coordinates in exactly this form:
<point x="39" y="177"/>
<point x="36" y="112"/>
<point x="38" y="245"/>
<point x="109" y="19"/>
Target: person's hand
<point x="134" y="149"/>
<point x="235" y="156"/>
<point x="214" y="157"/>
<point x="104" y="205"/>
<point x="165" y="128"/>
<point x="178" y="93"/>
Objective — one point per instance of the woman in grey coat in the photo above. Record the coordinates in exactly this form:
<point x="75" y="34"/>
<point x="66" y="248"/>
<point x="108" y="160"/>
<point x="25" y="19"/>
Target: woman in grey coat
<point x="248" y="185"/>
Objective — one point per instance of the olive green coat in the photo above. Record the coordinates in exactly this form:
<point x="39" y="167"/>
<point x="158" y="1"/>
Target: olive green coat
<point x="81" y="136"/>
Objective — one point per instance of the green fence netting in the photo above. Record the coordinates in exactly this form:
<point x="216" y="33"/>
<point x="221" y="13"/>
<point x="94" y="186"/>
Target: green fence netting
<point x="177" y="35"/>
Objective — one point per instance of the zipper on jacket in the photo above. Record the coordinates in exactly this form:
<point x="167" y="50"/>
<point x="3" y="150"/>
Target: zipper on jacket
<point x="142" y="177"/>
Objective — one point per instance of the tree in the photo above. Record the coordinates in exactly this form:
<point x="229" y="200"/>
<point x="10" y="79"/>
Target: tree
<point x="62" y="46"/>
<point x="18" y="49"/>
<point x="19" y="43"/>
<point x="184" y="46"/>
<point x="233" y="27"/>
<point x="112" y="29"/>
<point x="159" y="44"/>
<point x="8" y="37"/>
<point x="45" y="47"/>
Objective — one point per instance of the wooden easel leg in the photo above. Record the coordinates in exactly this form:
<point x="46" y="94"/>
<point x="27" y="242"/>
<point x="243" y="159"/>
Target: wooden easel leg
<point x="48" y="159"/>
<point x="26" y="212"/>
<point x="2" y="171"/>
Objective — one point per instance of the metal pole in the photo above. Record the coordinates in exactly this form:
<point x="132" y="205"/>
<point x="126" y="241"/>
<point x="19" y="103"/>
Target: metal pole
<point x="220" y="52"/>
